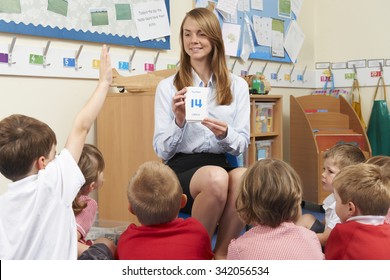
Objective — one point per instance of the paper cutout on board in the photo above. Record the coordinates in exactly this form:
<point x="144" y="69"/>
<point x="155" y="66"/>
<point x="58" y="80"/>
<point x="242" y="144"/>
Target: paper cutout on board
<point x="263" y="30"/>
<point x="277" y="38"/>
<point x="227" y="6"/>
<point x="99" y="16"/>
<point x="231" y="37"/>
<point x="294" y="40"/>
<point x="123" y="11"/>
<point x="152" y="19"/>
<point x="58" y="6"/>
<point x="284" y="8"/>
<point x="296" y="6"/>
<point x="10" y="6"/>
<point x="257" y="5"/>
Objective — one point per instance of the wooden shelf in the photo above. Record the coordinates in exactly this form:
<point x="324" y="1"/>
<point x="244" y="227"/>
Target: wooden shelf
<point x="275" y="135"/>
<point x="312" y="132"/>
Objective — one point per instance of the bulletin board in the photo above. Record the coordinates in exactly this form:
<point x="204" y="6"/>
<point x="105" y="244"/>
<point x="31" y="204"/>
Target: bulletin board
<point x="276" y="14"/>
<point x="101" y="21"/>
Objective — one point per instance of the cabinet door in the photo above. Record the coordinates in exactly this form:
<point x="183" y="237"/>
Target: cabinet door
<point x="125" y="137"/>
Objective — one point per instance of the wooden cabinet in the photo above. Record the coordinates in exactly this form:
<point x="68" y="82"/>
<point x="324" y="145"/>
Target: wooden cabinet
<point x="265" y="128"/>
<point x="125" y="137"/>
<point x="317" y="123"/>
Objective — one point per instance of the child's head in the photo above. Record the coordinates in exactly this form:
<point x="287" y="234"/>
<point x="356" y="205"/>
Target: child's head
<point x="336" y="158"/>
<point x="270" y="194"/>
<point x="91" y="164"/>
<point x="362" y="189"/>
<point x="154" y="193"/>
<point x="382" y="161"/>
<point x="24" y="141"/>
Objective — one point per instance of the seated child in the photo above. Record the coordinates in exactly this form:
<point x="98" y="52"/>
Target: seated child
<point x="36" y="217"/>
<point x="362" y="195"/>
<point x="336" y="158"/>
<point x="155" y="198"/>
<point x="269" y="199"/>
<point x="384" y="163"/>
<point x="91" y="164"/>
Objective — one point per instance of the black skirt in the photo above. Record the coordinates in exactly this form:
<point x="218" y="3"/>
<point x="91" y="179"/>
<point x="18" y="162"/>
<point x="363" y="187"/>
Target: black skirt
<point x="185" y="165"/>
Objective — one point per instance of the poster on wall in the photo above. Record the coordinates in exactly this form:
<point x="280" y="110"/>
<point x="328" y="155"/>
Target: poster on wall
<point x="259" y="27"/>
<point x="141" y="23"/>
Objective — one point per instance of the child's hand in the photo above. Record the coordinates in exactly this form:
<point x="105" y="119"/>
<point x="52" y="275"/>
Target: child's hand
<point x="105" y="71"/>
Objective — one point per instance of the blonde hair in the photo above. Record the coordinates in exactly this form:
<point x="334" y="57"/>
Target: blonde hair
<point x="366" y="185"/>
<point x="344" y="155"/>
<point x="91" y="164"/>
<point x="382" y="161"/>
<point x="154" y="193"/>
<point x="209" y="24"/>
<point x="270" y="194"/>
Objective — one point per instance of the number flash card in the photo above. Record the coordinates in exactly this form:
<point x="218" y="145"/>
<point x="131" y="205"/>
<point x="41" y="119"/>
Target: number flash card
<point x="196" y="103"/>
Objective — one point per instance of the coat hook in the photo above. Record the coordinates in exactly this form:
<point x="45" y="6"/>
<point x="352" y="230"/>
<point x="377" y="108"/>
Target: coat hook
<point x="249" y="67"/>
<point x="233" y="65"/>
<point x="10" y="50"/>
<point x="330" y="72"/>
<point x="263" y="70"/>
<point x="77" y="67"/>
<point x="355" y="71"/>
<point x="381" y="67"/>
<point x="156" y="59"/>
<point x="131" y="60"/>
<point x="291" y="72"/>
<point x="303" y="74"/>
<point x="46" y="50"/>
<point x="277" y="73"/>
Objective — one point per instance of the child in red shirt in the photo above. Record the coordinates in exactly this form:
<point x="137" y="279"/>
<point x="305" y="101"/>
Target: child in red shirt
<point x="155" y="198"/>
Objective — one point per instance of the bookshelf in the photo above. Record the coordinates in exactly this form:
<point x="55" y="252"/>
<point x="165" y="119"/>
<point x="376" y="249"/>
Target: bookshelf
<point x="318" y="122"/>
<point x="266" y="138"/>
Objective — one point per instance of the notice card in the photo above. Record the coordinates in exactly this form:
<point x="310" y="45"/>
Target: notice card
<point x="196" y="103"/>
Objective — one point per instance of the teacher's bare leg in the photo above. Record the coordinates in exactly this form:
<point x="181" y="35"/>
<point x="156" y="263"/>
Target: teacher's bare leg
<point x="209" y="187"/>
<point x="230" y="224"/>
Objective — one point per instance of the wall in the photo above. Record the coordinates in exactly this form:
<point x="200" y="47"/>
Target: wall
<point x="334" y="32"/>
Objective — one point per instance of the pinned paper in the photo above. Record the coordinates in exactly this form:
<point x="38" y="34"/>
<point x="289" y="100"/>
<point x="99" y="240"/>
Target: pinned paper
<point x="196" y="103"/>
<point x="151" y="20"/>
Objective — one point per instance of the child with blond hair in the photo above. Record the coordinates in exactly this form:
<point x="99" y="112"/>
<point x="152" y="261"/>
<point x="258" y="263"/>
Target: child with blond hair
<point x="155" y="198"/>
<point x="362" y="195"/>
<point x="335" y="159"/>
<point x="384" y="163"/>
<point x="269" y="200"/>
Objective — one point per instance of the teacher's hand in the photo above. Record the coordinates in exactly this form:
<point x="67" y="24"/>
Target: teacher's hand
<point x="178" y="107"/>
<point x="219" y="128"/>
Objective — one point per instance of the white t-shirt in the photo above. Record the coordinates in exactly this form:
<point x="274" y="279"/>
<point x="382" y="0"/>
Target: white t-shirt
<point x="36" y="216"/>
<point x="329" y="205"/>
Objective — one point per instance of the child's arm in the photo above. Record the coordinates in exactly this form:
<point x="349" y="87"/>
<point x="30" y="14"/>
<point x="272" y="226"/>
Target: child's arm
<point x="91" y="109"/>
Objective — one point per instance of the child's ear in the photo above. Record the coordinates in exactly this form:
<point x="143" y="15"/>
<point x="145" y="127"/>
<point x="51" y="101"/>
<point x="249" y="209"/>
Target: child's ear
<point x="41" y="163"/>
<point x="130" y="209"/>
<point x="183" y="201"/>
<point x="91" y="187"/>
<point x="353" y="210"/>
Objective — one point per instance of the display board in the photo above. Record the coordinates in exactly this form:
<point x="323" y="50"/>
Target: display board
<point x="259" y="29"/>
<point x="139" y="23"/>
